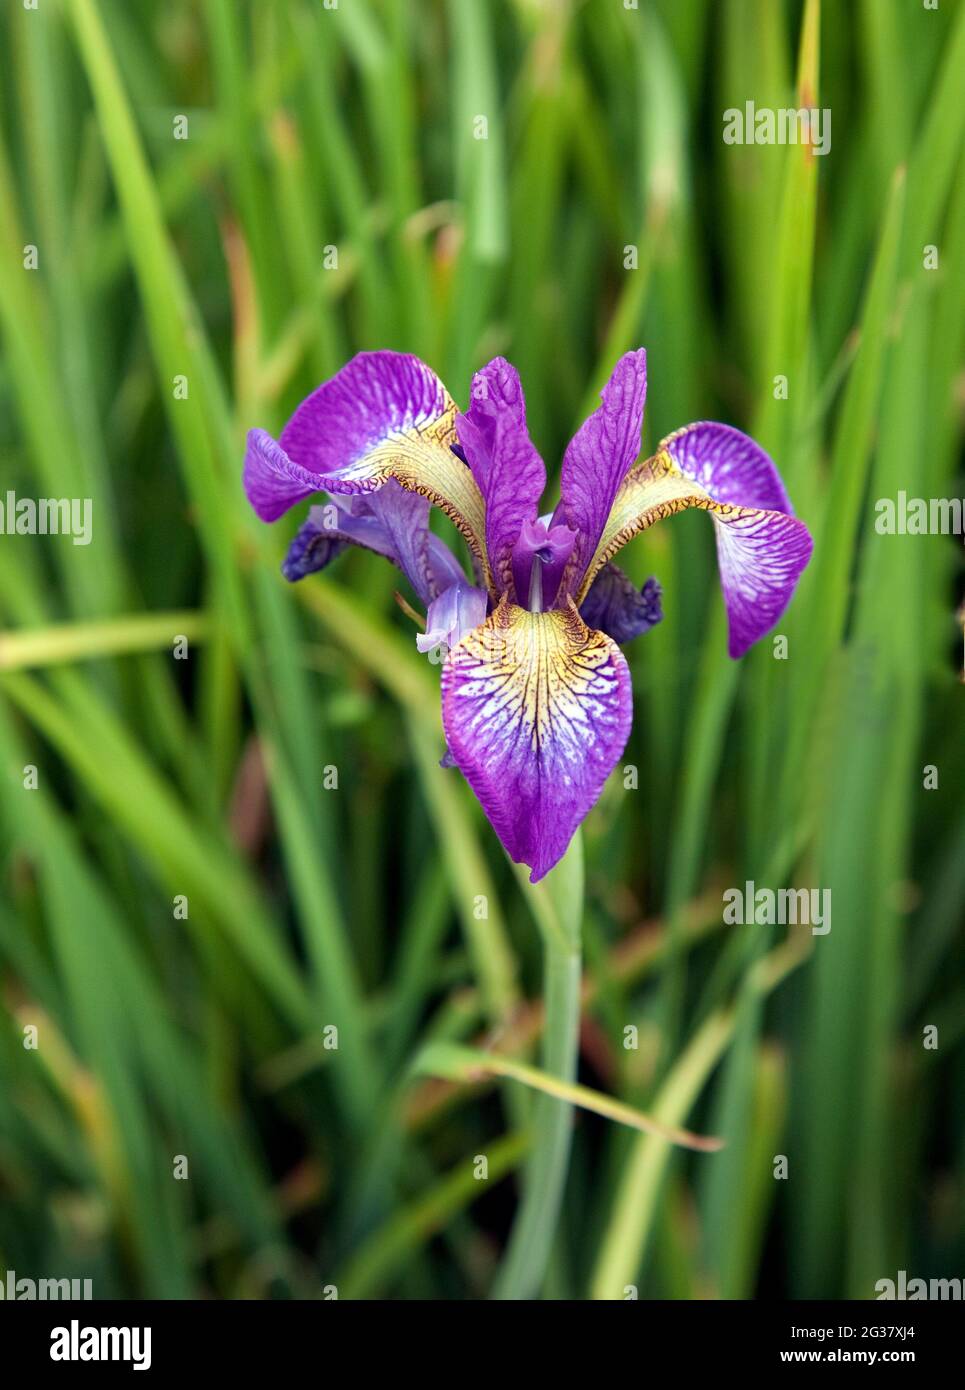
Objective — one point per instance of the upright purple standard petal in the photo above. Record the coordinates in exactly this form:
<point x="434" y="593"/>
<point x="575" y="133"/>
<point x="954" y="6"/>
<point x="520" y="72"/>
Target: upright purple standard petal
<point x="617" y="607"/>
<point x="598" y="457"/>
<point x="385" y="415"/>
<point x="536" y="708"/>
<point x="504" y="462"/>
<point x="392" y="522"/>
<point x="761" y="548"/>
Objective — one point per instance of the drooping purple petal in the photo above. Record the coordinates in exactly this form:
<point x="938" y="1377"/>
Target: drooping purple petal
<point x="392" y="522"/>
<point x="761" y="550"/>
<point x="504" y="462"/>
<point x="617" y="607"/>
<point x="536" y="709"/>
<point x="549" y="547"/>
<point x="454" y="613"/>
<point x="272" y="481"/>
<point x="384" y="415"/>
<point x="598" y="457"/>
<point x="761" y="555"/>
<point x="728" y="465"/>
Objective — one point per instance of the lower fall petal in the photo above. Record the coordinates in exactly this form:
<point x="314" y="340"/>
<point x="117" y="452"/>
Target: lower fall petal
<point x="536" y="709"/>
<point x="385" y="415"/>
<point x="762" y="549"/>
<point x="272" y="481"/>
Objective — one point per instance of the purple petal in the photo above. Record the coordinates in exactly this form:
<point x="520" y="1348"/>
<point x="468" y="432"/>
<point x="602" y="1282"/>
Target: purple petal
<point x="761" y="555"/>
<point x="392" y="522"/>
<point x="315" y="546"/>
<point x="272" y="482"/>
<point x="504" y="463"/>
<point x="384" y="415"/>
<point x="729" y="465"/>
<point x="617" y="607"/>
<point x="454" y="613"/>
<point x="375" y="396"/>
<point x="761" y="550"/>
<point x="536" y="708"/>
<point x="598" y="457"/>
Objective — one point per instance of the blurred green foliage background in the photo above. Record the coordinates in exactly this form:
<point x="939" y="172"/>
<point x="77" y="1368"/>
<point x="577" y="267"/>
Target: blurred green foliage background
<point x="354" y="127"/>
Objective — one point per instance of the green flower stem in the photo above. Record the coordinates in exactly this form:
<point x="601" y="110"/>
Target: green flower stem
<point x="557" y="904"/>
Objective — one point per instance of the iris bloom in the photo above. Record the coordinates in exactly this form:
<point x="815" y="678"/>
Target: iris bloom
<point x="536" y="694"/>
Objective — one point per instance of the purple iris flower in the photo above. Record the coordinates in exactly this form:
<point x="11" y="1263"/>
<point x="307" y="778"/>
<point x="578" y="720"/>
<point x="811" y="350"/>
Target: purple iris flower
<point x="536" y="695"/>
